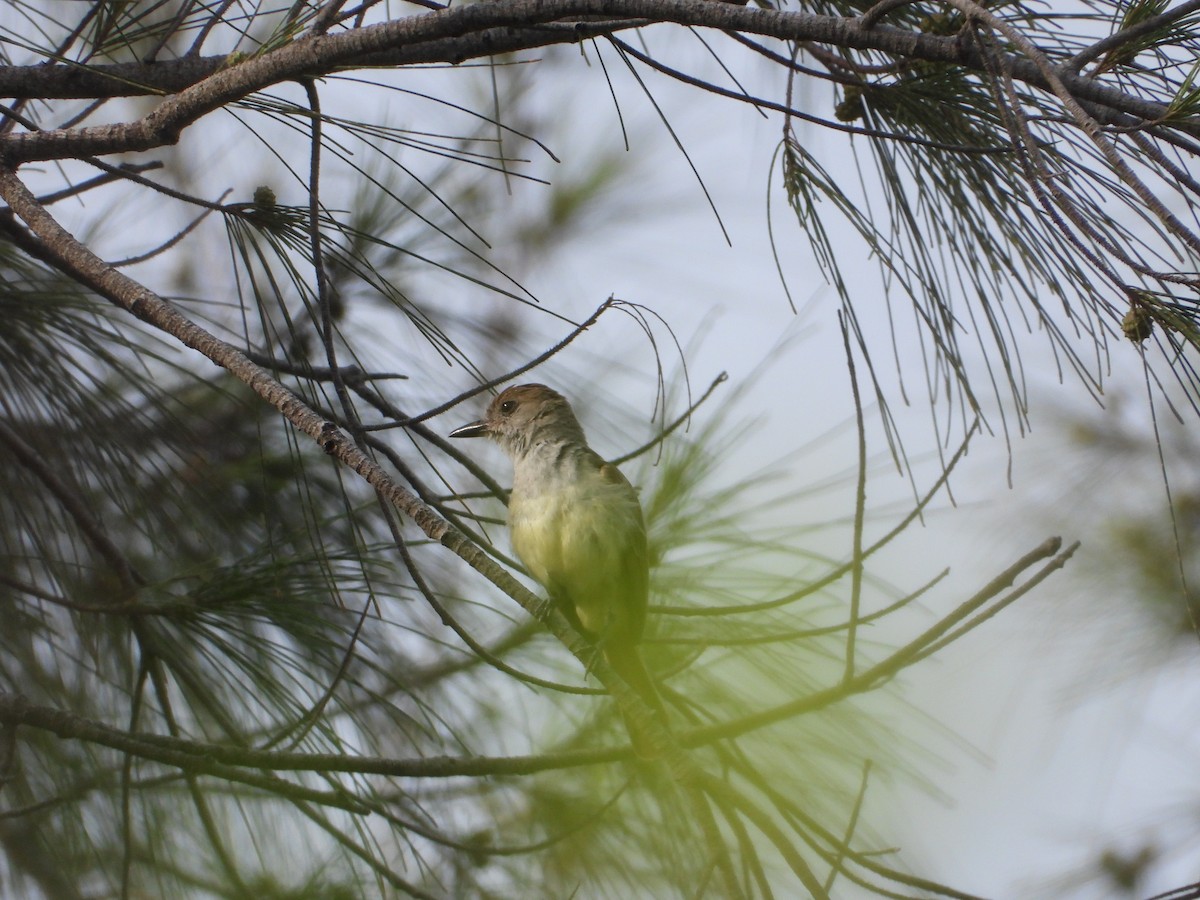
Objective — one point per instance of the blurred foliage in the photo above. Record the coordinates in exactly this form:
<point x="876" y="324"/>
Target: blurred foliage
<point x="1135" y="611"/>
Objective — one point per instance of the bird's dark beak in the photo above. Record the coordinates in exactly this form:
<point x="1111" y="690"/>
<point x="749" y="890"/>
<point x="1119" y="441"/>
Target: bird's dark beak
<point x="475" y="429"/>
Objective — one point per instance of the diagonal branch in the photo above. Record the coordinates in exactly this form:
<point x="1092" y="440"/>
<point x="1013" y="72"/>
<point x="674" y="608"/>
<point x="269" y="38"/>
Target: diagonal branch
<point x="83" y="265"/>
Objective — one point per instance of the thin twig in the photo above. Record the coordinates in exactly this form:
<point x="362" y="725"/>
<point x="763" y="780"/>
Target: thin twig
<point x="508" y="376"/>
<point x="860" y="508"/>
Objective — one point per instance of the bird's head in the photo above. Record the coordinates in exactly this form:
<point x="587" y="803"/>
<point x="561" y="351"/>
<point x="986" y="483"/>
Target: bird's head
<point x="523" y="414"/>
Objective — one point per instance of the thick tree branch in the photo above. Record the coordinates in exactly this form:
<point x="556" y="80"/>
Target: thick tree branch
<point x="198" y="87"/>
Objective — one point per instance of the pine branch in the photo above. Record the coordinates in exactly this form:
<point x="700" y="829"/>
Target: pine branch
<point x="198" y="87"/>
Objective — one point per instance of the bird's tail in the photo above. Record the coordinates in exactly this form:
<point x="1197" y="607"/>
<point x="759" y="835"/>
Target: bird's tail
<point x="626" y="661"/>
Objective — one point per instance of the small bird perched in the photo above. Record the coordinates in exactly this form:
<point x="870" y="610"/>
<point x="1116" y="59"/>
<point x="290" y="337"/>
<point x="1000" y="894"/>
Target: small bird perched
<point x="577" y="525"/>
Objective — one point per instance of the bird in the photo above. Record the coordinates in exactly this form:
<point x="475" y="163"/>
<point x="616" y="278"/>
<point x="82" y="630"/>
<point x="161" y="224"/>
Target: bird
<point x="576" y="524"/>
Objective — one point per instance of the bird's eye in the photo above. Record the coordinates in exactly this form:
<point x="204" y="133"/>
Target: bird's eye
<point x="508" y="406"/>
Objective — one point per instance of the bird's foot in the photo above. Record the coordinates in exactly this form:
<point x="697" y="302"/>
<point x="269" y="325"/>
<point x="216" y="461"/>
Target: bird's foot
<point x="542" y="610"/>
<point x="593" y="655"/>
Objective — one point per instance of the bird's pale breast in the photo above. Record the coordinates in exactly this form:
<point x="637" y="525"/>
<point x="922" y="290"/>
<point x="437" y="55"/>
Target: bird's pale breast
<point x="586" y="544"/>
